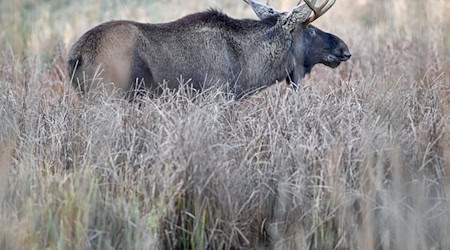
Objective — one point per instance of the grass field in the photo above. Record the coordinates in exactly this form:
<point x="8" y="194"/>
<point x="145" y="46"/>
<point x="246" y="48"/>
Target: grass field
<point x="358" y="159"/>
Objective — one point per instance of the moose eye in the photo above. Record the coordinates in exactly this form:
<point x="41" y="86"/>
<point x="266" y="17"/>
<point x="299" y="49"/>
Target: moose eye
<point x="312" y="32"/>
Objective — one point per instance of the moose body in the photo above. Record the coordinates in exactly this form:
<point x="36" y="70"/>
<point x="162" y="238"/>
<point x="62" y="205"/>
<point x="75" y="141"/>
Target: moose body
<point x="203" y="50"/>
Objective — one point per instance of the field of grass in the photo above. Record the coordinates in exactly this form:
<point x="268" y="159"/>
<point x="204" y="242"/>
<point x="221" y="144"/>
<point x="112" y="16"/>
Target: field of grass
<point x="357" y="159"/>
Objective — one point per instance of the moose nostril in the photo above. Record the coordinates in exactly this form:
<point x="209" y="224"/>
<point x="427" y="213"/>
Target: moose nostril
<point x="347" y="54"/>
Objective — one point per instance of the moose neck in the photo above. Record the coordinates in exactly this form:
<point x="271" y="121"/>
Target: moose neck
<point x="268" y="56"/>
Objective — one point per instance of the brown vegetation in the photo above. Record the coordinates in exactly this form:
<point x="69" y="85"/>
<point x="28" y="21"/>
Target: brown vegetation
<point x="359" y="159"/>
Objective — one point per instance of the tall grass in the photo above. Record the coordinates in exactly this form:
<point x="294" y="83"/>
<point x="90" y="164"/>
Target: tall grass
<point x="358" y="159"/>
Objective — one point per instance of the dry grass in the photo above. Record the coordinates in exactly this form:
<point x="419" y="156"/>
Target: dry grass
<point x="359" y="159"/>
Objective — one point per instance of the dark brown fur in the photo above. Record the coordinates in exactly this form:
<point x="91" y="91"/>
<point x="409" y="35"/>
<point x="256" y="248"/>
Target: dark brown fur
<point x="204" y="49"/>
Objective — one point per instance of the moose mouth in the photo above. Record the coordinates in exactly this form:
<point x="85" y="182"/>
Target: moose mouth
<point x="332" y="64"/>
<point x="334" y="61"/>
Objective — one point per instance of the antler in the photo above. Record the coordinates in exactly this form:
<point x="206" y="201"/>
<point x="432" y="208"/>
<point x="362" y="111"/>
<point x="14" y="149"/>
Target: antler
<point x="262" y="11"/>
<point x="301" y="14"/>
<point x="318" y="11"/>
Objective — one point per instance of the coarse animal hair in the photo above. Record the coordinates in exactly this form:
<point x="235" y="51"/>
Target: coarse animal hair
<point x="206" y="49"/>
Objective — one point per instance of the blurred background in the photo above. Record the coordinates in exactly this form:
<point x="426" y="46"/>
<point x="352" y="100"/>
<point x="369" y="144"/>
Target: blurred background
<point x="38" y="26"/>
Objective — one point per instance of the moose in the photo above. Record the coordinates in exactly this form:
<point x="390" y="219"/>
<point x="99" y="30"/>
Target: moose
<point x="206" y="49"/>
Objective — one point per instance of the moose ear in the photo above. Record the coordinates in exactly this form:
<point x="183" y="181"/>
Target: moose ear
<point x="262" y="11"/>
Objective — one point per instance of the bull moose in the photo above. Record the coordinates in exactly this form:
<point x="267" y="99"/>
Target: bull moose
<point x="206" y="49"/>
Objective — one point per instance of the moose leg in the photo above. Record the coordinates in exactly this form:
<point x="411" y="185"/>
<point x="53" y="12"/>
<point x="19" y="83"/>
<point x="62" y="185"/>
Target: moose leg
<point x="141" y="79"/>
